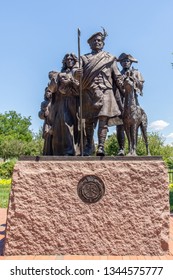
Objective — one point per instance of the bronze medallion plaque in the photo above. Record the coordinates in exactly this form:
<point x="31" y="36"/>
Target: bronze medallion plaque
<point x="90" y="189"/>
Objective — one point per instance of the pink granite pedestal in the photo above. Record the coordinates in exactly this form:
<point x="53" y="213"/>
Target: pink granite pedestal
<point x="46" y="216"/>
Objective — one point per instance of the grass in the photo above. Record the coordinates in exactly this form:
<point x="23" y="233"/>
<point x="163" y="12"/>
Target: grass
<point x="171" y="199"/>
<point x="4" y="194"/>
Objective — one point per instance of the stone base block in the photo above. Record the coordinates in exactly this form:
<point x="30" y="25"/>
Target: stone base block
<point x="88" y="207"/>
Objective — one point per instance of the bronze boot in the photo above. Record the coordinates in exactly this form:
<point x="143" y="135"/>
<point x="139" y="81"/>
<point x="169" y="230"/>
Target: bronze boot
<point x="102" y="133"/>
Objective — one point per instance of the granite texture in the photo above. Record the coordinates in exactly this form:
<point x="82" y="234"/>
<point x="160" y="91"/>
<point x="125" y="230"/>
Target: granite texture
<point x="47" y="217"/>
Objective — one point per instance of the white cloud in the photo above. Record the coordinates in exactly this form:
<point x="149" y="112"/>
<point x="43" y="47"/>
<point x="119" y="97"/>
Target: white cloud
<point x="158" y="125"/>
<point x="170" y="135"/>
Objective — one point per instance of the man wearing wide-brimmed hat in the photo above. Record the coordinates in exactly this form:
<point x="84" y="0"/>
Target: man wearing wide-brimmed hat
<point x="100" y="77"/>
<point x="126" y="61"/>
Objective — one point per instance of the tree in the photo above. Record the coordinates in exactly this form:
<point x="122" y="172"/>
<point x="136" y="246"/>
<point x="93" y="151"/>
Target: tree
<point x="16" y="138"/>
<point x="15" y="126"/>
<point x="35" y="147"/>
<point x="156" y="145"/>
<point x="111" y="145"/>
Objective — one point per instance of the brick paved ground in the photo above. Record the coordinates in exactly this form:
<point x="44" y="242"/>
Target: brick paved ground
<point x="3" y="214"/>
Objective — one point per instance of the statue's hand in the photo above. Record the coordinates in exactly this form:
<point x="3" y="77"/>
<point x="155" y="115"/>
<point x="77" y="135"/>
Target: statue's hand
<point x="78" y="73"/>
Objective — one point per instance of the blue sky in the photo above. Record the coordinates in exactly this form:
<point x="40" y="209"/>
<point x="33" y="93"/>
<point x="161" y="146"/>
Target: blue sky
<point x="36" y="34"/>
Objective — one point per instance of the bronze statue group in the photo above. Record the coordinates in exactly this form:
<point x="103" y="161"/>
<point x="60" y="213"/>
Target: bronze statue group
<point x="109" y="97"/>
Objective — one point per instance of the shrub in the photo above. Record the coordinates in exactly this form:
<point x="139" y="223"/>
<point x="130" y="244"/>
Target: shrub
<point x="6" y="169"/>
<point x="171" y="199"/>
<point x="171" y="196"/>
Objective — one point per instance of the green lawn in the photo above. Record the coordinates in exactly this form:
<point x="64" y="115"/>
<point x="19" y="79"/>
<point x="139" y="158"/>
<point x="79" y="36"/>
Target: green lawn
<point x="171" y="199"/>
<point x="4" y="195"/>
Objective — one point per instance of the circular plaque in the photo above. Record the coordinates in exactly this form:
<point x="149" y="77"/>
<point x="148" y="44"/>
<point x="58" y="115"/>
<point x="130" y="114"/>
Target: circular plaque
<point x="90" y="189"/>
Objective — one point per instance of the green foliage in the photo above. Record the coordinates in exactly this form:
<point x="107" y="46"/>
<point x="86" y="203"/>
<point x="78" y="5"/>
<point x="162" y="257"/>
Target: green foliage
<point x="155" y="141"/>
<point x="5" y="186"/>
<point x="169" y="162"/>
<point x="156" y="146"/>
<point x="171" y="196"/>
<point x="111" y="145"/>
<point x="6" y="169"/>
<point x="16" y="138"/>
<point x="14" y="126"/>
<point x="171" y="199"/>
<point x="11" y="148"/>
<point x="34" y="147"/>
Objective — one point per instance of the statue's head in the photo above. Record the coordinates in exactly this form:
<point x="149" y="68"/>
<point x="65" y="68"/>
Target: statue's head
<point x="126" y="60"/>
<point x="53" y="75"/>
<point x="69" y="61"/>
<point x="65" y="82"/>
<point x="96" y="41"/>
<point x="47" y="94"/>
<point x="64" y="78"/>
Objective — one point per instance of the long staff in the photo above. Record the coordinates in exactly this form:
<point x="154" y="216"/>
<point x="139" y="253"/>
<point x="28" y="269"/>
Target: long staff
<point x="80" y="97"/>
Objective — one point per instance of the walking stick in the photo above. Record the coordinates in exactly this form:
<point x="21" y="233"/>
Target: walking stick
<point x="80" y="97"/>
